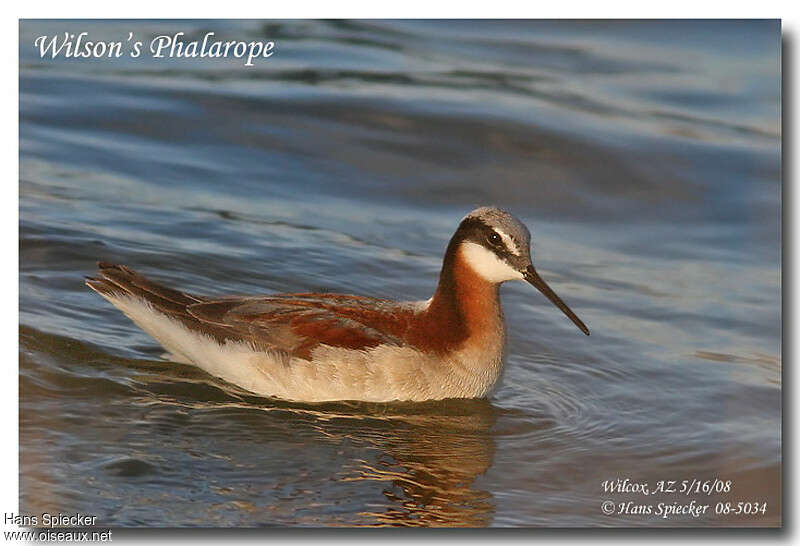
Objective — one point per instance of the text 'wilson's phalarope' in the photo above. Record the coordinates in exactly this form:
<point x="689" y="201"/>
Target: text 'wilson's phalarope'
<point x="319" y="347"/>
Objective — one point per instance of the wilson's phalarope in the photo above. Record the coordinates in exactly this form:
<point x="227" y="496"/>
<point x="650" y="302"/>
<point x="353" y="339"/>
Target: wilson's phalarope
<point x="318" y="347"/>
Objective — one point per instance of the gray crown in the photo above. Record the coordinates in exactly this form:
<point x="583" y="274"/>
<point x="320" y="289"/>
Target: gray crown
<point x="508" y="224"/>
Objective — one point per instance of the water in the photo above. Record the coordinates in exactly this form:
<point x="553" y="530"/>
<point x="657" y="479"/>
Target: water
<point x="645" y="157"/>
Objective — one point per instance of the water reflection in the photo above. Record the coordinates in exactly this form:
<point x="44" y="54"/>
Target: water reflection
<point x="425" y="459"/>
<point x="427" y="464"/>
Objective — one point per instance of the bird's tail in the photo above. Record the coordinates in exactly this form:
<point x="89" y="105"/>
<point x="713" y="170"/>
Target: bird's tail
<point x="118" y="281"/>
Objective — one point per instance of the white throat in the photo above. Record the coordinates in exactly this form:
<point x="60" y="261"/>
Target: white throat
<point x="486" y="264"/>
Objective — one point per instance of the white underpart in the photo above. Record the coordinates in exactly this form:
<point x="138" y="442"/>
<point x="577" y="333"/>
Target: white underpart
<point x="486" y="263"/>
<point x="510" y="244"/>
<point x="378" y="374"/>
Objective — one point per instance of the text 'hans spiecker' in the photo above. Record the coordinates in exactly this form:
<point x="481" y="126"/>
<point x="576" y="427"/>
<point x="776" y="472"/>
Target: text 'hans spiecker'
<point x="50" y="520"/>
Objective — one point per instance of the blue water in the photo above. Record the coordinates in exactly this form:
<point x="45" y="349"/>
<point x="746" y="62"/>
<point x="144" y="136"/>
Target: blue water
<point x="644" y="156"/>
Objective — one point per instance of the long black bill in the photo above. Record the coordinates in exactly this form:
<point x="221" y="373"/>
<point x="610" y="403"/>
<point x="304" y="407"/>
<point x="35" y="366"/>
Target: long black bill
<point x="533" y="277"/>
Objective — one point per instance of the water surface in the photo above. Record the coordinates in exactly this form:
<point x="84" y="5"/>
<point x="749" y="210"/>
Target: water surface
<point x="645" y="157"/>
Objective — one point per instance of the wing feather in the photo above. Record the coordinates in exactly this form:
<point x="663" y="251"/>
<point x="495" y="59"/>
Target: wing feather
<point x="298" y="323"/>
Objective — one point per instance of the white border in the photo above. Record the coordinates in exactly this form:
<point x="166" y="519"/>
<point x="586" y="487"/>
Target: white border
<point x="338" y="9"/>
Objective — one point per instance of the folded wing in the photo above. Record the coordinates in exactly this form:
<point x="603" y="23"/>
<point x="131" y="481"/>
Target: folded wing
<point x="294" y="324"/>
<point x="298" y="323"/>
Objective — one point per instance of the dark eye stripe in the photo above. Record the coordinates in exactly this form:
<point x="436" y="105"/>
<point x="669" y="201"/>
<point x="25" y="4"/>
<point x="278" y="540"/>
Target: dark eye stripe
<point x="478" y="231"/>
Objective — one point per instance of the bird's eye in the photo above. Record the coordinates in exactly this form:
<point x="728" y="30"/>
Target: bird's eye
<point x="495" y="239"/>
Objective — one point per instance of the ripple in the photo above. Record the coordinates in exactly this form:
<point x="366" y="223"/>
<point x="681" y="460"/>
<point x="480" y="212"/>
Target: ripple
<point x="129" y="468"/>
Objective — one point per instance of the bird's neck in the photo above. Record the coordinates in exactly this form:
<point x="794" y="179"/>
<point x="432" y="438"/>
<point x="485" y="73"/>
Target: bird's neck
<point x="464" y="301"/>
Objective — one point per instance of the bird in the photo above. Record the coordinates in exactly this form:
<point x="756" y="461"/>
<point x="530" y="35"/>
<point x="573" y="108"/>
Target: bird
<point x="324" y="347"/>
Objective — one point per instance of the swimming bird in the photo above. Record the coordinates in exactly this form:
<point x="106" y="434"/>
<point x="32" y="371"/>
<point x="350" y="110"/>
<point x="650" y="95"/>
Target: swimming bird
<point x="323" y="347"/>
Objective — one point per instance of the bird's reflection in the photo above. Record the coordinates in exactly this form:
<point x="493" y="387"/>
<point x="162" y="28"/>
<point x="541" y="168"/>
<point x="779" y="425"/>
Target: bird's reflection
<point x="427" y="459"/>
